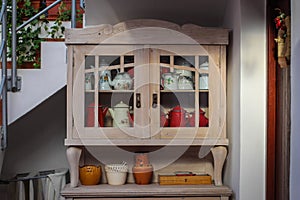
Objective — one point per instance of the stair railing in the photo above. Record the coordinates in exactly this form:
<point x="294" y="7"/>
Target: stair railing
<point x="13" y="83"/>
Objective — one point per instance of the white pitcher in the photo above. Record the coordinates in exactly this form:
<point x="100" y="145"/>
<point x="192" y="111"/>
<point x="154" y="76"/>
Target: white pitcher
<point x="119" y="114"/>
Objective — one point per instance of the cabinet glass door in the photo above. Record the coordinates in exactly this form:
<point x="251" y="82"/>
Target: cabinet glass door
<point x="112" y="92"/>
<point x="185" y="93"/>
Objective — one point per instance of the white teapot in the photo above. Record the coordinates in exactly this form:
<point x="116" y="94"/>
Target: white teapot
<point x="185" y="83"/>
<point x="120" y="115"/>
<point x="104" y="77"/>
<point x="122" y="81"/>
<point x="170" y="81"/>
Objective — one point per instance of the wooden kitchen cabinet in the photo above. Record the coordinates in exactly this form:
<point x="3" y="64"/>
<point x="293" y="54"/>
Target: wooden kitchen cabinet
<point x="169" y="81"/>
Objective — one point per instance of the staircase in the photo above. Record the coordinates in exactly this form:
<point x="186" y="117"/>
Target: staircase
<point x="39" y="84"/>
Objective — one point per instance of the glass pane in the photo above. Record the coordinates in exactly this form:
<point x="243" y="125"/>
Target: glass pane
<point x="121" y="112"/>
<point x="89" y="109"/>
<point x="203" y="62"/>
<point x="89" y="62"/>
<point x="203" y="109"/>
<point x="89" y="87"/>
<point x="176" y="108"/>
<point x="180" y="75"/>
<point x="89" y="81"/>
<point x="203" y="76"/>
<point x="203" y="81"/>
<point x="116" y="96"/>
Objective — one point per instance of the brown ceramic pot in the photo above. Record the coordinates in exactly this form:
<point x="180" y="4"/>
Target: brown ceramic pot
<point x="142" y="175"/>
<point x="90" y="175"/>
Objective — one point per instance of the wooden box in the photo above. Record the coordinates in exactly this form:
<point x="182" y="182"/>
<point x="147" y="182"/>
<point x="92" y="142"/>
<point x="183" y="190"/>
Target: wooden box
<point x="203" y="179"/>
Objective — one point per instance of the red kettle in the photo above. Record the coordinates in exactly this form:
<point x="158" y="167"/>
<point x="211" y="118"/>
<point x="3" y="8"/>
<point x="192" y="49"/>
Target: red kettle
<point x="91" y="115"/>
<point x="178" y="117"/>
<point x="164" y="119"/>
<point x="203" y="121"/>
<point x="131" y="119"/>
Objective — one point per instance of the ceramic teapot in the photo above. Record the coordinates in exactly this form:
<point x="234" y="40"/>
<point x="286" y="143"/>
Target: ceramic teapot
<point x="170" y="80"/>
<point x="178" y="117"/>
<point x="203" y="120"/>
<point x="185" y="83"/>
<point x="122" y="81"/>
<point x="91" y="114"/>
<point x="119" y="114"/>
<point x="164" y="119"/>
<point x="104" y="77"/>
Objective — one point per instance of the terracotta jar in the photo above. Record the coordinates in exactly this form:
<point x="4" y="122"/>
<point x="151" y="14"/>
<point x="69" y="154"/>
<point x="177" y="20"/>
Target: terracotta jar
<point x="142" y="170"/>
<point x="90" y="175"/>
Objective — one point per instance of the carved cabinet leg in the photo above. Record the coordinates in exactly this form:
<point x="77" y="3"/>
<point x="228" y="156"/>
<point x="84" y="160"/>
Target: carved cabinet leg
<point x="219" y="153"/>
<point x="73" y="156"/>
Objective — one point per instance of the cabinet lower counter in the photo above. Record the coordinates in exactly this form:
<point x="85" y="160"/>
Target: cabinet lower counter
<point x="147" y="192"/>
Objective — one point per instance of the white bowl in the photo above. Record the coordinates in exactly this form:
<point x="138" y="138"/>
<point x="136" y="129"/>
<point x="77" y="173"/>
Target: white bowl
<point x="116" y="178"/>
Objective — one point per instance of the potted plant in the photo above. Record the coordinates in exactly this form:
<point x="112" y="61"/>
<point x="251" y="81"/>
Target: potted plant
<point x="28" y="40"/>
<point x="30" y="37"/>
<point x="56" y="31"/>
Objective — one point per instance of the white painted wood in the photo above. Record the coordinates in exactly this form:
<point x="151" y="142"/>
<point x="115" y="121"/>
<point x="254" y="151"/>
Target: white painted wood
<point x="153" y="190"/>
<point x="147" y="40"/>
<point x="73" y="156"/>
<point x="147" y="31"/>
<point x="219" y="154"/>
<point x="147" y="142"/>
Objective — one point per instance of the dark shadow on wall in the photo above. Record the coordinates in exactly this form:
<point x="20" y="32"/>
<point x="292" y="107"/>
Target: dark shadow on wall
<point x="36" y="140"/>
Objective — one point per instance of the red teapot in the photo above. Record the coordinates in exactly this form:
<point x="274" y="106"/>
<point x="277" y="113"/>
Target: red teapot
<point x="178" y="117"/>
<point x="164" y="119"/>
<point x="203" y="121"/>
<point x="131" y="119"/>
<point x="91" y="115"/>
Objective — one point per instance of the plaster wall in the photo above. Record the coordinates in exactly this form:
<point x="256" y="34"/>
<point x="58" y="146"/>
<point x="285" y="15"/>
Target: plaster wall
<point x="253" y="100"/>
<point x="36" y="140"/>
<point x="246" y="98"/>
<point x="232" y="20"/>
<point x="295" y="99"/>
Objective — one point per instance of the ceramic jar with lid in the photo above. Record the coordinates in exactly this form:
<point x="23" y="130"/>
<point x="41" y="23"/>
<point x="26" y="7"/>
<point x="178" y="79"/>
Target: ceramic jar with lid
<point x="142" y="170"/>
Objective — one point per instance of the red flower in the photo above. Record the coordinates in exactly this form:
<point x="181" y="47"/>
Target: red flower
<point x="278" y="22"/>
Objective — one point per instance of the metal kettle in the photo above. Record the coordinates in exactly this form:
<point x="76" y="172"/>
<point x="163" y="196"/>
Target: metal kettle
<point x="178" y="117"/>
<point x="91" y="115"/>
<point x="119" y="114"/>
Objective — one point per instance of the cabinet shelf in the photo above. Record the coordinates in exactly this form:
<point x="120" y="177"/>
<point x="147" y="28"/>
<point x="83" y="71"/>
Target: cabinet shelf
<point x="111" y="91"/>
<point x="148" y="142"/>
<point x="176" y="91"/>
<point x="181" y="91"/>
<point x="151" y="190"/>
<point x="116" y="91"/>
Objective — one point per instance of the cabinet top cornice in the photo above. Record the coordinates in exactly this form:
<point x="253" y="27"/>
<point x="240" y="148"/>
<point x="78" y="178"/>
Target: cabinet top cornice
<point x="147" y="31"/>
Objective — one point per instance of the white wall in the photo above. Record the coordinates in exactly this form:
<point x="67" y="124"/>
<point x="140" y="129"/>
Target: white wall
<point x="253" y="100"/>
<point x="232" y="20"/>
<point x="246" y="98"/>
<point x="295" y="99"/>
<point x="178" y="11"/>
<point x="36" y="142"/>
<point x="39" y="84"/>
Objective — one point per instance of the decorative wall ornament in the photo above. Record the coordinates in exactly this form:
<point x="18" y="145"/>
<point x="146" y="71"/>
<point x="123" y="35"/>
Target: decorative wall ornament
<point x="283" y="39"/>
